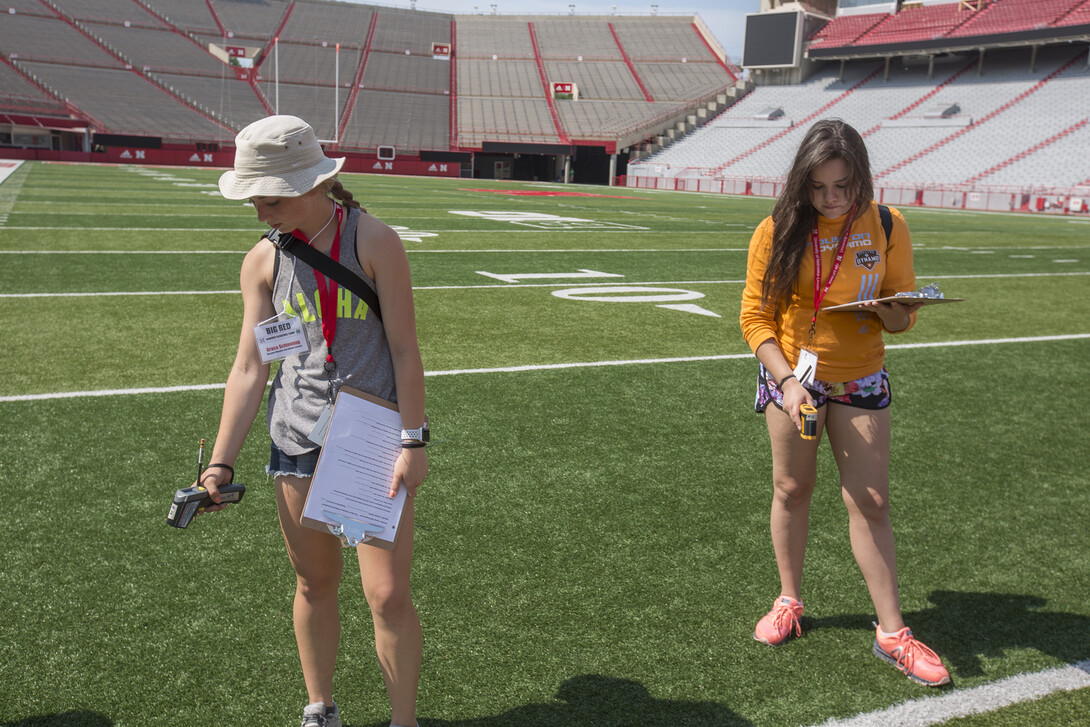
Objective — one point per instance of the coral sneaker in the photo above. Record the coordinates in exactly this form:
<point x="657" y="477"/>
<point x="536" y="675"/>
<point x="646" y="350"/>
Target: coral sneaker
<point x="917" y="661"/>
<point x="778" y="623"/>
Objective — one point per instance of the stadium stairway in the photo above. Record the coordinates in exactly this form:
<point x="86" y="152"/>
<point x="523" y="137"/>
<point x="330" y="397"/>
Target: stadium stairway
<point x="560" y="133"/>
<point x="131" y="65"/>
<point x="988" y="117"/>
<point x="718" y="170"/>
<point x="925" y="97"/>
<point x="1033" y="149"/>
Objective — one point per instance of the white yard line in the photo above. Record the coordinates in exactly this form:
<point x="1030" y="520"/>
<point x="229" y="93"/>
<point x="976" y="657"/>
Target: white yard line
<point x="540" y="285"/>
<point x="539" y="367"/>
<point x="977" y="700"/>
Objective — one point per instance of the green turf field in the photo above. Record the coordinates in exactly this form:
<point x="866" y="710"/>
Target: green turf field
<point x="593" y="545"/>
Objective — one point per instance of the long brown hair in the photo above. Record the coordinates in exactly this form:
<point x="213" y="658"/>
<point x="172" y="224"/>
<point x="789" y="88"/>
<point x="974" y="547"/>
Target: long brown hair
<point x="793" y="216"/>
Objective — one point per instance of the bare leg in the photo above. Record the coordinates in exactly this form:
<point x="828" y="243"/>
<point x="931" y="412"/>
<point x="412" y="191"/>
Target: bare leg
<point x="398" y="638"/>
<point x="860" y="443"/>
<point x="794" y="474"/>
<point x="318" y="563"/>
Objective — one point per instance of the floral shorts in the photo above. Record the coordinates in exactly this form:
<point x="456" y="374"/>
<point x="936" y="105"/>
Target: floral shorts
<point x="869" y="392"/>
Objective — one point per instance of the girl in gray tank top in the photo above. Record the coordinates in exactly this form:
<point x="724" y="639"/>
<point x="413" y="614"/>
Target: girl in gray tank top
<point x="281" y="168"/>
<point x="302" y="387"/>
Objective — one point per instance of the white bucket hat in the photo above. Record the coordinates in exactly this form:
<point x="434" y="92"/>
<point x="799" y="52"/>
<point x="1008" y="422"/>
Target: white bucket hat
<point x="278" y="156"/>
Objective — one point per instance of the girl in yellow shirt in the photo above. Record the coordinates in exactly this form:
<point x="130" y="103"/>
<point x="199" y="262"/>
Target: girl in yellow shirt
<point x="825" y="244"/>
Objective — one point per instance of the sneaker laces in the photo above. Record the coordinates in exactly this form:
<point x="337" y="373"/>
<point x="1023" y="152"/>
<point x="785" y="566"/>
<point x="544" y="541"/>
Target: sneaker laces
<point x="911" y="648"/>
<point x="783" y="612"/>
<point x="316" y="718"/>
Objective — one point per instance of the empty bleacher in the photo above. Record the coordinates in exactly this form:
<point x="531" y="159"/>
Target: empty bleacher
<point x="636" y="75"/>
<point x="155" y="48"/>
<point x="597" y="80"/>
<point x="1079" y="15"/>
<point x="23" y="97"/>
<point x="249" y="18"/>
<point x="193" y="16"/>
<point x="921" y="23"/>
<point x="525" y="120"/>
<point x="953" y="128"/>
<point x="107" y="10"/>
<point x="401" y="120"/>
<point x="132" y="105"/>
<point x="1011" y="16"/>
<point x="845" y="30"/>
<point x="660" y="39"/>
<point x="575" y="38"/>
<point x="486" y="37"/>
<point x="44" y="38"/>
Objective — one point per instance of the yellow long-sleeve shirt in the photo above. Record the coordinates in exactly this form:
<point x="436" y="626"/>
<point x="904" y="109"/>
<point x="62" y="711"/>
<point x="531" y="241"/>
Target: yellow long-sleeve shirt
<point x="848" y="344"/>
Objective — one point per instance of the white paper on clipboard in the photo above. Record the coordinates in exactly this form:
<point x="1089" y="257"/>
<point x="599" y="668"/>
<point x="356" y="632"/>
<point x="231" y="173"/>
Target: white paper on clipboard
<point x="351" y="482"/>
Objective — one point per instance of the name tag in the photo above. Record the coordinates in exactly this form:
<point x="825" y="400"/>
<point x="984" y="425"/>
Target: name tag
<point x="277" y="339"/>
<point x="807" y="367"/>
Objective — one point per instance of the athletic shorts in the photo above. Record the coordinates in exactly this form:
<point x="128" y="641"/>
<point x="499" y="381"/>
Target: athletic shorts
<point x="869" y="392"/>
<point x="301" y="465"/>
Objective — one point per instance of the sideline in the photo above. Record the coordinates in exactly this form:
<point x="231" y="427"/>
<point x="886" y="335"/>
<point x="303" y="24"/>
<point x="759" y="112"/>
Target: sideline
<point x="540" y="367"/>
<point x="977" y="700"/>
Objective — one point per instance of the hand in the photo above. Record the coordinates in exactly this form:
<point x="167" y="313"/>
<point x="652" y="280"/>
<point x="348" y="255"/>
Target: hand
<point x="894" y="314"/>
<point x="211" y="479"/>
<point x="794" y="396"/>
<point x="410" y="470"/>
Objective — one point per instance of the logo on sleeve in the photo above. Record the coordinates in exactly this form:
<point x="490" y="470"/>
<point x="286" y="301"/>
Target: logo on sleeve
<point x="867" y="259"/>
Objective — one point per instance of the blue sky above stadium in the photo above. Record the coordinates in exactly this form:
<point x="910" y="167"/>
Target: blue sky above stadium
<point x="725" y="18"/>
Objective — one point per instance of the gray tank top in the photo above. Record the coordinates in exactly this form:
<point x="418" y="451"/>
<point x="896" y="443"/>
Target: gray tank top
<point x="300" y="390"/>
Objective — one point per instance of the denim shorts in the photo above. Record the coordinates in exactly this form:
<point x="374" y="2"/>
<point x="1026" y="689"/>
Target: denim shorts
<point x="300" y="465"/>
<point x="870" y="392"/>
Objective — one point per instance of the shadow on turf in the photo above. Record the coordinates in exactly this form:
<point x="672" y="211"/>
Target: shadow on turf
<point x="591" y="699"/>
<point x="65" y="719"/>
<point x="965" y="627"/>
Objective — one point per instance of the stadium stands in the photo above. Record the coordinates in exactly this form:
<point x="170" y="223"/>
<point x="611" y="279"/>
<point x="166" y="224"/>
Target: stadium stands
<point x="369" y="76"/>
<point x="23" y="97"/>
<point x="1012" y="16"/>
<point x="955" y="128"/>
<point x="923" y="23"/>
<point x="845" y="30"/>
<point x="321" y="59"/>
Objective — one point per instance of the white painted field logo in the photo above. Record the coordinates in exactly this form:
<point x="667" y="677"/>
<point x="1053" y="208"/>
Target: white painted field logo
<point x="672" y="298"/>
<point x="408" y="235"/>
<point x="544" y="221"/>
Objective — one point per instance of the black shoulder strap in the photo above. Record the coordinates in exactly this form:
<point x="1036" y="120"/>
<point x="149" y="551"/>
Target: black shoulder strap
<point x="327" y="266"/>
<point x="887" y="220"/>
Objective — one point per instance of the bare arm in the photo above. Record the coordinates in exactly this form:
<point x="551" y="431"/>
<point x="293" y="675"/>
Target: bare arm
<point x="384" y="259"/>
<point x="248" y="378"/>
<point x="794" y="393"/>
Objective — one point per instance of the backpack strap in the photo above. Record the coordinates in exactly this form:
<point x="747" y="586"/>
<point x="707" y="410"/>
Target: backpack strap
<point x="887" y="220"/>
<point x="327" y="266"/>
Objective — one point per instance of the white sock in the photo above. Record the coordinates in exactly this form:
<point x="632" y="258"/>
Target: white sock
<point x="885" y="635"/>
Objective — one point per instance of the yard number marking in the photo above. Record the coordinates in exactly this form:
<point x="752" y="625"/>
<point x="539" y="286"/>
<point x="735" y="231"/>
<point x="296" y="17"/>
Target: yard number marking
<point x="670" y="298"/>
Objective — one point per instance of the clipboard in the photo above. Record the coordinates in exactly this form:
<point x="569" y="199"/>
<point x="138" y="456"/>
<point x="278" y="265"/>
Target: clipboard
<point x="858" y="305"/>
<point x="348" y="494"/>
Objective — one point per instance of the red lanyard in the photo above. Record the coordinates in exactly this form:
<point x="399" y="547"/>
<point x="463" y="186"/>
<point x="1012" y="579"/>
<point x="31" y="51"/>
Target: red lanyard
<point x="819" y="290"/>
<point x="327" y="293"/>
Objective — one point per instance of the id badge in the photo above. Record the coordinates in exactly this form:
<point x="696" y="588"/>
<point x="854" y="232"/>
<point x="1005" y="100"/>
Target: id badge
<point x="278" y="339"/>
<point x="321" y="427"/>
<point x="807" y="367"/>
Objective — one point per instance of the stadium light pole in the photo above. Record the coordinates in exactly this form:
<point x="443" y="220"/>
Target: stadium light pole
<point x="276" y="69"/>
